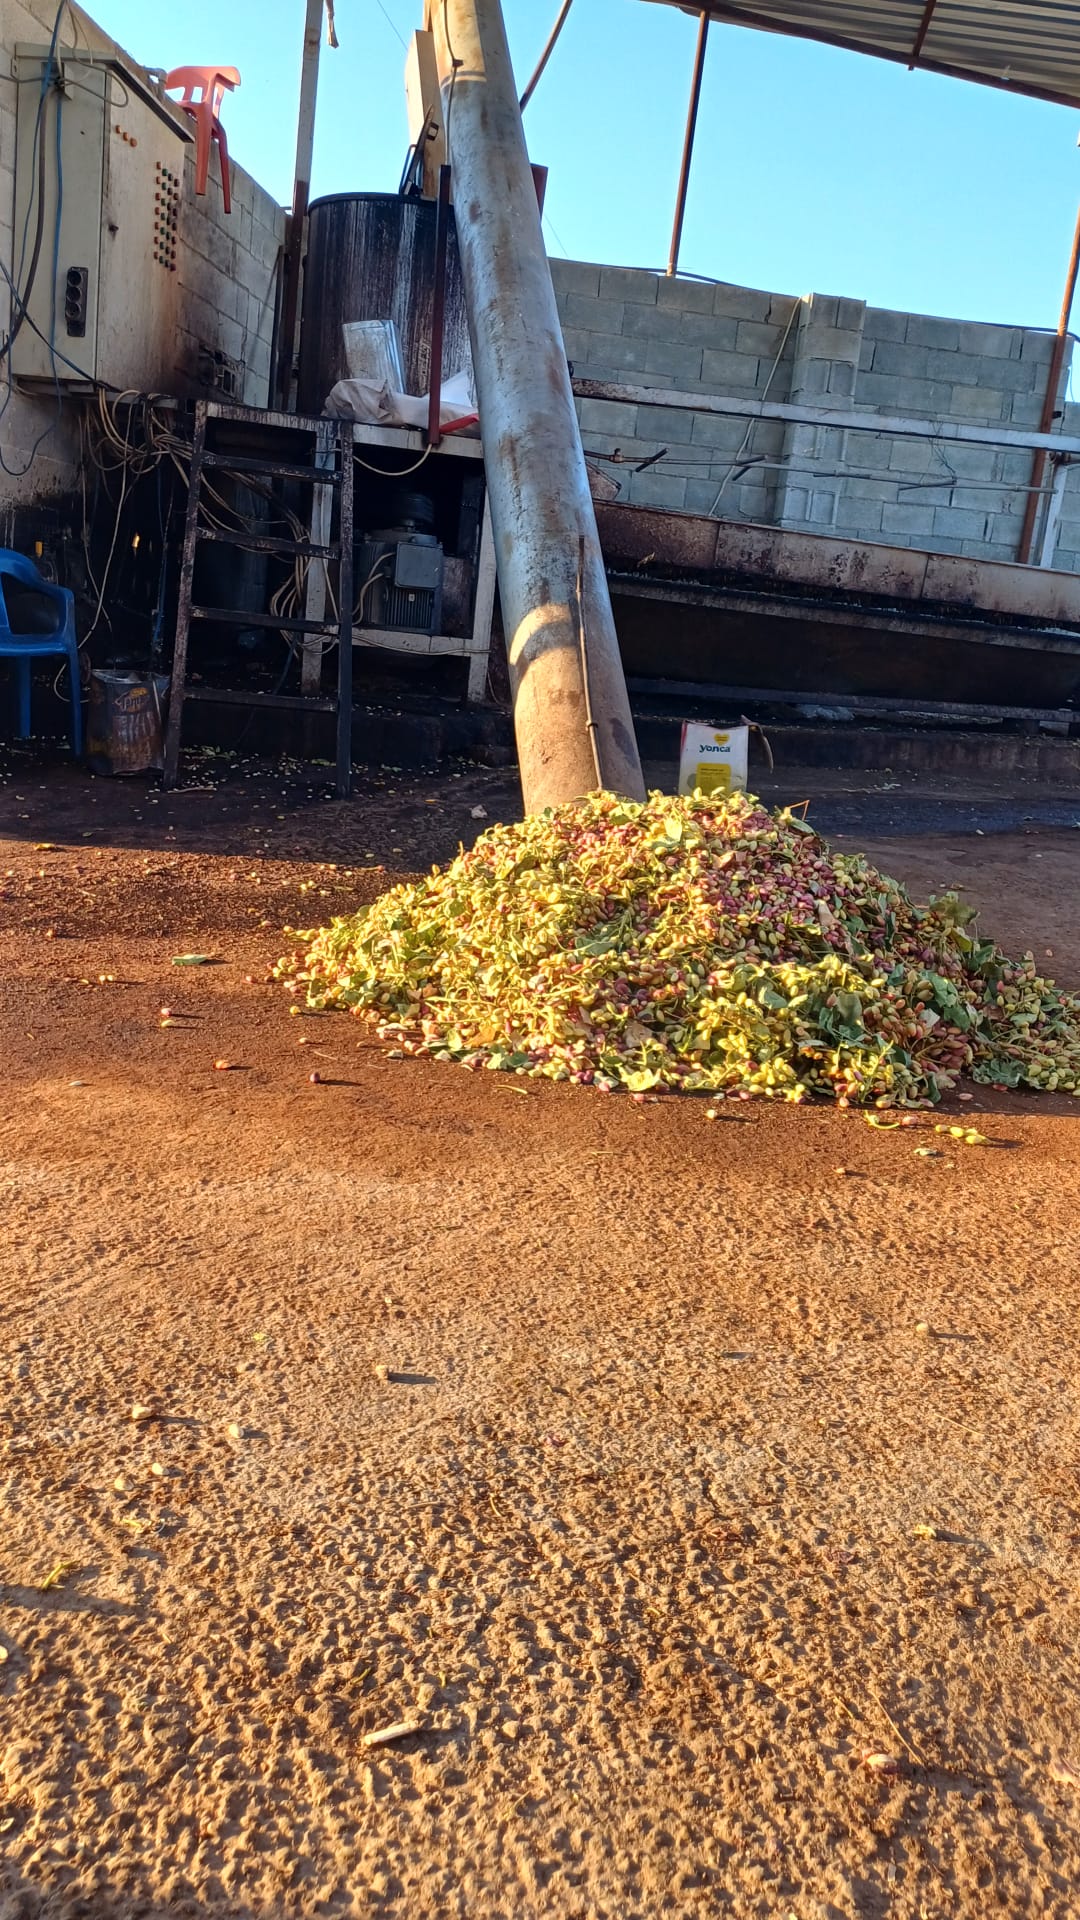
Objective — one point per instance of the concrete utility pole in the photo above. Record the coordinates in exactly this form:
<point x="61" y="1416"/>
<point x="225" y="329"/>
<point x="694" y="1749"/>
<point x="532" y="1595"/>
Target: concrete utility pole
<point x="571" y="711"/>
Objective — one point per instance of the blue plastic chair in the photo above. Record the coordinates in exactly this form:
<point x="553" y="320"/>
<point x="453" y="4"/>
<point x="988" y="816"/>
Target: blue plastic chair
<point x="57" y="636"/>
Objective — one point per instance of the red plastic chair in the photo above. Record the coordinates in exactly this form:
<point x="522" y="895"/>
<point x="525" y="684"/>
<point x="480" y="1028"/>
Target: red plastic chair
<point x="203" y="90"/>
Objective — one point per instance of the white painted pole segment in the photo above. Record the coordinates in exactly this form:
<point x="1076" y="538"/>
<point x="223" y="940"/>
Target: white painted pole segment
<point x="538" y="486"/>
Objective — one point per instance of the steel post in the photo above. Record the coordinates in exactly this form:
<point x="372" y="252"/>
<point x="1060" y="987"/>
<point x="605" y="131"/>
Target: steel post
<point x="565" y="670"/>
<point x="1049" y="406"/>
<point x="688" y="144"/>
<point x="294" y="232"/>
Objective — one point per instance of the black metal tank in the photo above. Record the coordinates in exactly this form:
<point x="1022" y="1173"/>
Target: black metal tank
<point x="371" y="256"/>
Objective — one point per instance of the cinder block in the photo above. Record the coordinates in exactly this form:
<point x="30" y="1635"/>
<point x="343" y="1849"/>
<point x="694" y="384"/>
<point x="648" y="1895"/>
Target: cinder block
<point x="925" y="331"/>
<point x="754" y="337"/>
<point x="720" y="369"/>
<point x="749" y="503"/>
<point x="608" y="416"/>
<point x="911" y="456"/>
<point x="867" y="350"/>
<point x="685" y="296"/>
<point x="678" y="364"/>
<point x="628" y="283"/>
<point x="595" y="316"/>
<point x="827" y="343"/>
<point x="654" y="488"/>
<point x="867" y="449"/>
<point x="810" y="379"/>
<point x="1016" y="376"/>
<point x="707" y="330"/>
<point x="576" y="345"/>
<point x="981" y="500"/>
<point x="960" y="525"/>
<point x="576" y="276"/>
<point x="672" y="425"/>
<point x="850" y="315"/>
<point x="969" y="370"/>
<point x="1036" y="345"/>
<point x="880" y="490"/>
<point x="978" y="403"/>
<point x="722" y="432"/>
<point x="841" y="383"/>
<point x="1014" y="466"/>
<point x="651" y="323"/>
<point x="907" y="519"/>
<point x="901" y="362"/>
<point x="905" y="396"/>
<point x="614" y="350"/>
<point x="701" y="493"/>
<point x="741" y="303"/>
<point x="967" y="462"/>
<point x="857" y="515"/>
<point x="1025" y="410"/>
<point x="881" y="323"/>
<point x="821" y="309"/>
<point x="990" y="343"/>
<point x="793" y="504"/>
<point x="204" y="237"/>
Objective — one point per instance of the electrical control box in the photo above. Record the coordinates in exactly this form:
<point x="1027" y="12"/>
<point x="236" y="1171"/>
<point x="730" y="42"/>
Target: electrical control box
<point x="99" y="170"/>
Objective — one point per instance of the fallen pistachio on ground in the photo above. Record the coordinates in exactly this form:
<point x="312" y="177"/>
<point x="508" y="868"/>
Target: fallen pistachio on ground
<point x="692" y="944"/>
<point x="399" y="1731"/>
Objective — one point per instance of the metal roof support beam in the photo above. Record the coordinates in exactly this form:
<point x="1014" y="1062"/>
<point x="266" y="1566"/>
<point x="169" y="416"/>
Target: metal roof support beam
<point x="920" y="37"/>
<point x="1049" y="406"/>
<point x="855" y="419"/>
<point x="688" y="144"/>
<point x="740" y="16"/>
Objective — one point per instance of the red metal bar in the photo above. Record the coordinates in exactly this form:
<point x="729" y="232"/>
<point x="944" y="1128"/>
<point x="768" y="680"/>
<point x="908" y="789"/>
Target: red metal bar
<point x="1049" y="406"/>
<point x="438" y="308"/>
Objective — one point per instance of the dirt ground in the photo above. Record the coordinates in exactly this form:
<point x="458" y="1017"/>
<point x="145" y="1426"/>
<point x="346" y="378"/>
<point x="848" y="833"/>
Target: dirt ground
<point x="697" y="1470"/>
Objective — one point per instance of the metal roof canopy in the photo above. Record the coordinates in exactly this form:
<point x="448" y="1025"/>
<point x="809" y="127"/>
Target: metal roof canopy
<point x="1025" y="46"/>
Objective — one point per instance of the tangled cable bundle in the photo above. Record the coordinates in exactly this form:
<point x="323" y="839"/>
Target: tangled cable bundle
<point x="696" y="945"/>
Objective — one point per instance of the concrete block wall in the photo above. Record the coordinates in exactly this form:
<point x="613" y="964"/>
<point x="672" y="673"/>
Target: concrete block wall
<point x="225" y="272"/>
<point x="647" y="330"/>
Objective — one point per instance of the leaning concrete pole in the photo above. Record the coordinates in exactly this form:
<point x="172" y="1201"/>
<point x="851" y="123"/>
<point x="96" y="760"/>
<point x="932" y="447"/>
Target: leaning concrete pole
<point x="571" y="711"/>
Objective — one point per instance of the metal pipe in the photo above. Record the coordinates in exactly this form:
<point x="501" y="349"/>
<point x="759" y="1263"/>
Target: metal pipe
<point x="438" y="309"/>
<point x="688" y="144"/>
<point x="538" y="485"/>
<point x="1049" y="406"/>
<point x="294" y="238"/>
<point x="549" y="49"/>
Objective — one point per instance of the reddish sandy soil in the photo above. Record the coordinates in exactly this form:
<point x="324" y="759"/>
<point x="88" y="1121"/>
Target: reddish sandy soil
<point x="695" y="1470"/>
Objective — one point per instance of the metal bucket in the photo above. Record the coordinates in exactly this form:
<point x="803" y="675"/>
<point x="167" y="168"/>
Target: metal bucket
<point x="125" y="724"/>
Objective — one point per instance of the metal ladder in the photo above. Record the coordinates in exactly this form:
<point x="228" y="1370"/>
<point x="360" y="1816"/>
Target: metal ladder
<point x="330" y="467"/>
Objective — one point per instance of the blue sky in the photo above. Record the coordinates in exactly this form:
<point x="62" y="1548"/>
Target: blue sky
<point x="815" y="170"/>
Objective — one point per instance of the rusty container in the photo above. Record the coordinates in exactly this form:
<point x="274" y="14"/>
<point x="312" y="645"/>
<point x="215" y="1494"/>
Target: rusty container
<point x="371" y="256"/>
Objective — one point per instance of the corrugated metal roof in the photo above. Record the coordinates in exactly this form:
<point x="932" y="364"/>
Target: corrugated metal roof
<point x="1026" y="46"/>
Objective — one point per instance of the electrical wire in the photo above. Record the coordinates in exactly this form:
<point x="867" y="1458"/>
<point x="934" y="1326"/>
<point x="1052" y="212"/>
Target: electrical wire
<point x="399" y="473"/>
<point x="749" y="434"/>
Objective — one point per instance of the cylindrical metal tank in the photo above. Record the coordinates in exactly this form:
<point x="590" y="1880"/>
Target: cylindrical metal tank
<point x="371" y="256"/>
